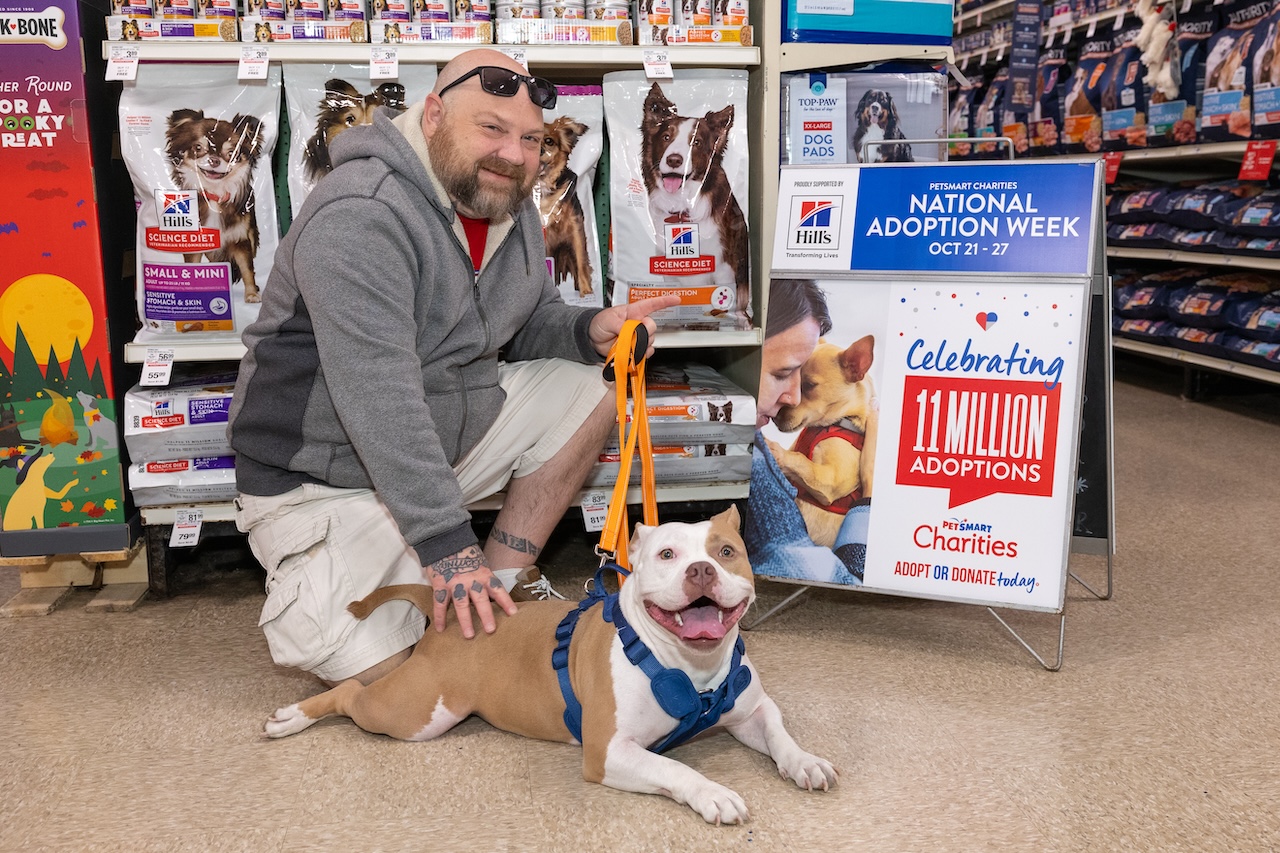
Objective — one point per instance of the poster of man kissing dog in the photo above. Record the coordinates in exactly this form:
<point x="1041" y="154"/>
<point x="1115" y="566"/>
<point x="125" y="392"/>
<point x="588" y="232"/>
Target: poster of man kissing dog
<point x="923" y="455"/>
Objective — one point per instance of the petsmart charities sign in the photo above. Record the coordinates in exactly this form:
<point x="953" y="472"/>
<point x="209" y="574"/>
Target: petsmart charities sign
<point x="974" y="282"/>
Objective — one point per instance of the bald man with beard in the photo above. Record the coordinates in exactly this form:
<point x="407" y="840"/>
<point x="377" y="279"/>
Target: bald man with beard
<point x="412" y="356"/>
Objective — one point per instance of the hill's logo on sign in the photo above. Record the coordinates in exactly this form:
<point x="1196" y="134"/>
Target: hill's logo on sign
<point x="815" y="223"/>
<point x="682" y="241"/>
<point x="180" y="231"/>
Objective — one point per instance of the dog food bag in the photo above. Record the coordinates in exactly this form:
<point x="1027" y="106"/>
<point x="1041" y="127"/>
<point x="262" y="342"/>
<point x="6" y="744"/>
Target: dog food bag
<point x="186" y="418"/>
<point x="203" y="479"/>
<point x="1239" y="244"/>
<point x="325" y="99"/>
<point x="678" y="194"/>
<point x="1045" y="121"/>
<point x="1257" y="317"/>
<point x="1248" y="351"/>
<point x="960" y="119"/>
<point x="1124" y="95"/>
<point x="694" y="404"/>
<point x="571" y="147"/>
<point x="1206" y="206"/>
<point x="987" y="117"/>
<point x="1174" y="122"/>
<point x="1227" y="111"/>
<point x="895" y="100"/>
<point x="1082" y="124"/>
<point x="692" y="464"/>
<point x="198" y="145"/>
<point x="1152" y="331"/>
<point x="1265" y="74"/>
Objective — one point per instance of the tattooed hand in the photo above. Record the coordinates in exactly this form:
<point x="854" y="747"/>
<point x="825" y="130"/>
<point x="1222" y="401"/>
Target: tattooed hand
<point x="462" y="580"/>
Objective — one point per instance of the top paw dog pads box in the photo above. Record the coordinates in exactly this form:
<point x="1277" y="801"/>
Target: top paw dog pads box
<point x="198" y="145"/>
<point x="678" y="194"/>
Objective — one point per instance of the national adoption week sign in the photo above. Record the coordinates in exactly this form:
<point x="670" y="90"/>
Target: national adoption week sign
<point x="979" y="377"/>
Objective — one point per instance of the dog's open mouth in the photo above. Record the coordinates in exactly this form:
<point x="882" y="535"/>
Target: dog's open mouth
<point x="672" y="182"/>
<point x="703" y="622"/>
<point x="212" y="174"/>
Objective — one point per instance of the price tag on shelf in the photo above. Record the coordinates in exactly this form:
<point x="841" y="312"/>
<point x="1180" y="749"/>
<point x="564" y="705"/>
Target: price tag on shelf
<point x="964" y="63"/>
<point x="384" y="63"/>
<point x="253" y="62"/>
<point x="982" y="60"/>
<point x="595" y="508"/>
<point x="1258" y="157"/>
<point x="186" y="528"/>
<point x="1112" y="159"/>
<point x="978" y="21"/>
<point x="657" y="65"/>
<point x="122" y="63"/>
<point x="157" y="367"/>
<point x="1049" y="37"/>
<point x="518" y="54"/>
<point x="1186" y="7"/>
<point x="1119" y="20"/>
<point x="1000" y="54"/>
<point x="1093" y="28"/>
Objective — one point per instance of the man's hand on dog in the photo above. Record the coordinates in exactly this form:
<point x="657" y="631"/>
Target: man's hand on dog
<point x="462" y="580"/>
<point x="606" y="325"/>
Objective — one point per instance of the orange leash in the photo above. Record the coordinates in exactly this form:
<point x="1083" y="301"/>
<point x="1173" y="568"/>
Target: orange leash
<point x="625" y="366"/>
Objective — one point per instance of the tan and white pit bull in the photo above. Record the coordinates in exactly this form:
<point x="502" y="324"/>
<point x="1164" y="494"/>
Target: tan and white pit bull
<point x="690" y="585"/>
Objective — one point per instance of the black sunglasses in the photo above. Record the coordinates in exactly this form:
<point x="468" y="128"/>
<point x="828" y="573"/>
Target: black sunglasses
<point x="500" y="81"/>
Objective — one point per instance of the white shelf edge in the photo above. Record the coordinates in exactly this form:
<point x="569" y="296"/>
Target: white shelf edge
<point x="801" y="56"/>
<point x="1221" y="365"/>
<point x="226" y="511"/>
<point x="679" y="339"/>
<point x="551" y="55"/>
<point x="987" y="9"/>
<point x="1198" y="258"/>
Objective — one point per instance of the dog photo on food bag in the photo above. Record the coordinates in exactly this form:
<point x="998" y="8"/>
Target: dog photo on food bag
<point x="216" y="158"/>
<point x="556" y="191"/>
<point x="342" y="107"/>
<point x="682" y="160"/>
<point x="552" y="672"/>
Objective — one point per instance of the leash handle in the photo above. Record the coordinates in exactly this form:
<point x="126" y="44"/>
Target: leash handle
<point x="625" y="365"/>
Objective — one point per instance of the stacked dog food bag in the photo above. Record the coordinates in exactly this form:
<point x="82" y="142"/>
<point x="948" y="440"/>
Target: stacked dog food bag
<point x="702" y="426"/>
<point x="177" y="439"/>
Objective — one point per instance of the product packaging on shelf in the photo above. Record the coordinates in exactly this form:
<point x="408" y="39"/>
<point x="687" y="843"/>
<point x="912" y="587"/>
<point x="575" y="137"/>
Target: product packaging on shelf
<point x="184" y="419"/>
<point x="678" y="193"/>
<point x="867" y="21"/>
<point x="325" y="99"/>
<point x="198" y="144"/>
<point x="1174" y="122"/>
<point x="203" y="479"/>
<point x="1227" y="111"/>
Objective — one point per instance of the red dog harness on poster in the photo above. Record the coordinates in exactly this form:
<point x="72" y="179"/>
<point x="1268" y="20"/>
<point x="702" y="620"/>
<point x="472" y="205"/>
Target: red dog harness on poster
<point x="811" y="437"/>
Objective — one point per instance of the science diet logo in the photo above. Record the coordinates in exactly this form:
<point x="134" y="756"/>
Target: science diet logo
<point x="178" y="210"/>
<point x="815" y="223"/>
<point x="682" y="241"/>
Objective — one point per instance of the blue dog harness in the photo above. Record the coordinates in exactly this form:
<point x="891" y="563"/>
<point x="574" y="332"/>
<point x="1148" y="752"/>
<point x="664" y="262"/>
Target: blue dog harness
<point x="672" y="688"/>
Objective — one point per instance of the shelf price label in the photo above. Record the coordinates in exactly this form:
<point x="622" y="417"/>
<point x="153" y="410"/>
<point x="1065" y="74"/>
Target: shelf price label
<point x="384" y="63"/>
<point x="595" y="508"/>
<point x="1112" y="159"/>
<point x="253" y="62"/>
<point x="158" y="366"/>
<point x="657" y="65"/>
<point x="1258" y="157"/>
<point x="516" y="53"/>
<point x="122" y="63"/>
<point x="186" y="528"/>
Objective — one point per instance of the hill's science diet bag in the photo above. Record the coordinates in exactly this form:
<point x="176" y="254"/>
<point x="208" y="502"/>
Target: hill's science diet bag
<point x="198" y="145"/>
<point x="678" y="194"/>
<point x="325" y="99"/>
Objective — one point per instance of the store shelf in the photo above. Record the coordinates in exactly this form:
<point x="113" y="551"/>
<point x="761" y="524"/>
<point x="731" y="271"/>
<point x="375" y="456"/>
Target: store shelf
<point x="602" y="57"/>
<point x="995" y="51"/>
<point x="1198" y="258"/>
<point x="136" y="353"/>
<point x="994" y="10"/>
<point x="794" y="56"/>
<point x="226" y="510"/>
<point x="1193" y="359"/>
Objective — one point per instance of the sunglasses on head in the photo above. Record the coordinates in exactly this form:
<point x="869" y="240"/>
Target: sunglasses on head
<point x="500" y="81"/>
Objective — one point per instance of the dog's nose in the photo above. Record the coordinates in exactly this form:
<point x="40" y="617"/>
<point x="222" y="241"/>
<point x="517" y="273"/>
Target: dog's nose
<point x="675" y="161"/>
<point x="701" y="575"/>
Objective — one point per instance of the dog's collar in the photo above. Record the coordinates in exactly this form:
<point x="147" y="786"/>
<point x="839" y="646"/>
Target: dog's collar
<point x="675" y="218"/>
<point x="215" y="198"/>
<point x="674" y="691"/>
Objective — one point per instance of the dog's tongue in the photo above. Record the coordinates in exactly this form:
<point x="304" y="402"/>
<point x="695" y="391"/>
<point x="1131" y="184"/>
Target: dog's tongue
<point x="701" y="623"/>
<point x="672" y="185"/>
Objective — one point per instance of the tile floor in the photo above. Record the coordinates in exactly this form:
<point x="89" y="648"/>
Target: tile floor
<point x="140" y="731"/>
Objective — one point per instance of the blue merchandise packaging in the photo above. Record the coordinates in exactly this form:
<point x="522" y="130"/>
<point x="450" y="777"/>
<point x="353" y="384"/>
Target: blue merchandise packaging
<point x="868" y="21"/>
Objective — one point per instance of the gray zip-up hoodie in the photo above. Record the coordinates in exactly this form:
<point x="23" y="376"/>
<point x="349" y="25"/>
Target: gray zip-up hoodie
<point x="374" y="361"/>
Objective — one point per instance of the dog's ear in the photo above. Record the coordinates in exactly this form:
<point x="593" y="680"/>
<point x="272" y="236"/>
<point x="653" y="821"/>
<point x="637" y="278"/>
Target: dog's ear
<point x="656" y="107"/>
<point x="572" y="129"/>
<point x="250" y="130"/>
<point x="722" y="120"/>
<point x="391" y="95"/>
<point x="339" y="94"/>
<point x="180" y="117"/>
<point x="865" y="100"/>
<point x="730" y="517"/>
<point x="855" y="361"/>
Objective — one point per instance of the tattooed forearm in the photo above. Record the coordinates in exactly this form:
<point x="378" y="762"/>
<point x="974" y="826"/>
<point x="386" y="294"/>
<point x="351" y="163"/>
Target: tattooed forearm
<point x="461" y="563"/>
<point x="515" y="543"/>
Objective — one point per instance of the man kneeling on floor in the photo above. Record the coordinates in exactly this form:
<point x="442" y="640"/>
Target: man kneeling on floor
<point x="412" y="356"/>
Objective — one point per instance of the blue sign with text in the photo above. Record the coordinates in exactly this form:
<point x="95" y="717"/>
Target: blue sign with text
<point x="1032" y="218"/>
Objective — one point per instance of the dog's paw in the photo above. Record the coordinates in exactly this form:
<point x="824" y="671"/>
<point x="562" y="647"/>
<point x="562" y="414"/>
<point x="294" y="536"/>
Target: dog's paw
<point x="717" y="804"/>
<point x="286" y="721"/>
<point x="810" y="772"/>
<point x="253" y="298"/>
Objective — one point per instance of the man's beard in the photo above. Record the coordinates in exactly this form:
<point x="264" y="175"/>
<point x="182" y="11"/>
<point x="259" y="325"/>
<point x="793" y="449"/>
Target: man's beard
<point x="461" y="178"/>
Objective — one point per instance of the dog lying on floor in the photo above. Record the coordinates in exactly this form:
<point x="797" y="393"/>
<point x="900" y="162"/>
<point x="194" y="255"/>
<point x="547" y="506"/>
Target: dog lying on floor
<point x="562" y="672"/>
